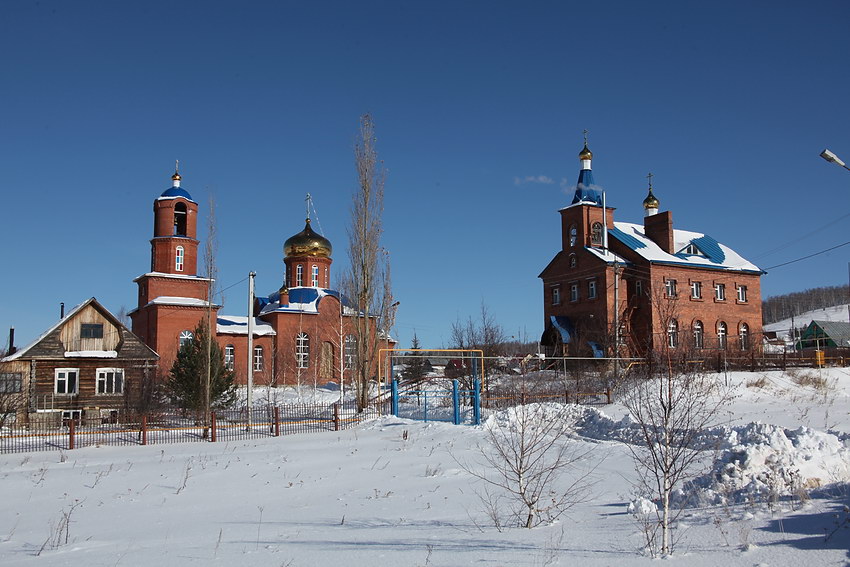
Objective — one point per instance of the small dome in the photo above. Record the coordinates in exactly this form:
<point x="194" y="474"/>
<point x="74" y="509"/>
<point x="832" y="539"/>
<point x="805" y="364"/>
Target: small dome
<point x="585" y="154"/>
<point x="176" y="177"/>
<point x="650" y="202"/>
<point x="307" y="243"/>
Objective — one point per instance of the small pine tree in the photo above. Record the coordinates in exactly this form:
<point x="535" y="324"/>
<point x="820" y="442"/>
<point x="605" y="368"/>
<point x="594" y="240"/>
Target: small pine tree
<point x="415" y="362"/>
<point x="185" y="385"/>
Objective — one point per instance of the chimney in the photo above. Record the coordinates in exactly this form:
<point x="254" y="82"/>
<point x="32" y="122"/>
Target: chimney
<point x="659" y="229"/>
<point x="62" y="310"/>
<point x="284" y="297"/>
<point x="12" y="348"/>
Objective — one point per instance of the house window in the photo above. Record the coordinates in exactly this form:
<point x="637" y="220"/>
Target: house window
<point x="91" y="331"/>
<point x="258" y="359"/>
<point x="745" y="336"/>
<point x="299" y="275"/>
<point x="673" y="333"/>
<point x="110" y="381"/>
<point x="742" y="293"/>
<point x="720" y="292"/>
<point x="556" y="295"/>
<point x="696" y="290"/>
<point x="670" y="286"/>
<point x="591" y="289"/>
<point x="722" y="333"/>
<point x="229" y="356"/>
<point x="350" y="350"/>
<point x="178" y="259"/>
<point x="572" y="260"/>
<point x="574" y="292"/>
<point x="596" y="234"/>
<point x="66" y="380"/>
<point x="692" y="250"/>
<point x="638" y="288"/>
<point x="573" y="235"/>
<point x="11" y="382"/>
<point x="186" y="338"/>
<point x="302" y="350"/>
<point x="699" y="335"/>
<point x="315" y="274"/>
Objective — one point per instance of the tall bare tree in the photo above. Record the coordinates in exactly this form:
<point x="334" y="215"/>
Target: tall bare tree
<point x="210" y="250"/>
<point x="367" y="282"/>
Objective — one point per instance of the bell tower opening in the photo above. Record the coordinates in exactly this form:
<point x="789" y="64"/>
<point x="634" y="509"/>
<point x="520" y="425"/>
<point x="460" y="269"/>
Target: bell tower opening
<point x="180" y="216"/>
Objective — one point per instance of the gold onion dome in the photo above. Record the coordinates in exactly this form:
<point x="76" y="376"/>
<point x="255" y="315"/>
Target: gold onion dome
<point x="650" y="202"/>
<point x="585" y="153"/>
<point x="176" y="177"/>
<point x="307" y="243"/>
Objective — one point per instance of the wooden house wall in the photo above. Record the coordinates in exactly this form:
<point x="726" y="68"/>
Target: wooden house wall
<point x="70" y="331"/>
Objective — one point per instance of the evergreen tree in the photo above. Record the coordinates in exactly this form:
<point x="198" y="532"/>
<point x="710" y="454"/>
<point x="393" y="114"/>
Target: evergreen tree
<point x="415" y="362"/>
<point x="185" y="385"/>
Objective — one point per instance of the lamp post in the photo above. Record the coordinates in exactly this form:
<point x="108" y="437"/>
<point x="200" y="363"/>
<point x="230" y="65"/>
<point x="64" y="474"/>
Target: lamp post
<point x="832" y="158"/>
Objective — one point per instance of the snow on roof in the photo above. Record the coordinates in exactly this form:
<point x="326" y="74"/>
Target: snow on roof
<point x="235" y="325"/>
<point x="712" y="253"/>
<point x="91" y="354"/>
<point x="301" y="300"/>
<point x="606" y="255"/>
<point x="176" y="276"/>
<point x="184" y="301"/>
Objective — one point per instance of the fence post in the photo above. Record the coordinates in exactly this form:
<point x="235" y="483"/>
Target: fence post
<point x="719" y="368"/>
<point x="144" y="430"/>
<point x="608" y="395"/>
<point x="566" y="396"/>
<point x="522" y="398"/>
<point x="276" y="421"/>
<point x="752" y="361"/>
<point x="71" y="426"/>
<point x="476" y="402"/>
<point x="336" y="416"/>
<point x="455" y="403"/>
<point x="212" y="426"/>
<point x="784" y="354"/>
<point x="395" y="398"/>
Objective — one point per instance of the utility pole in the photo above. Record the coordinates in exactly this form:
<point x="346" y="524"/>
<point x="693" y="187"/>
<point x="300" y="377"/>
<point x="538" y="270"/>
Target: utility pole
<point x="250" y="397"/>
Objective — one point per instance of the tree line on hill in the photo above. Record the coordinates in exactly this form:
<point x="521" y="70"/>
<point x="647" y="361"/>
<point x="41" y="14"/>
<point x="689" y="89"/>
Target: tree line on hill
<point x="785" y="306"/>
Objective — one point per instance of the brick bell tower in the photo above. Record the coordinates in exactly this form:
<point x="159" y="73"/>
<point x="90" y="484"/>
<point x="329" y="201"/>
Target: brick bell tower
<point x="172" y="298"/>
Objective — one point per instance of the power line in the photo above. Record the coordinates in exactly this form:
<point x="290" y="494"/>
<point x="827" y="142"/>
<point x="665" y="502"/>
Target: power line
<point x="809" y="256"/>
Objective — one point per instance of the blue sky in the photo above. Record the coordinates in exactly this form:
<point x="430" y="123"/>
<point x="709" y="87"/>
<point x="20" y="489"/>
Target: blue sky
<point x="727" y="103"/>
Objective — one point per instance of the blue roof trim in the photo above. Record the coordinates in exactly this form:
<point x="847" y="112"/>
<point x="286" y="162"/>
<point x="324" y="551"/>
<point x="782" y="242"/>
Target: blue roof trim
<point x="598" y="351"/>
<point x="626" y="239"/>
<point x="303" y="295"/>
<point x="564" y="326"/>
<point x="585" y="189"/>
<point x="176" y="192"/>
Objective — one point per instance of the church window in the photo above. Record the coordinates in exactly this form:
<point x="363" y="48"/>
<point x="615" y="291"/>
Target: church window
<point x="556" y="295"/>
<point x="258" y="359"/>
<point x="670" y="287"/>
<point x="596" y="234"/>
<point x="696" y="290"/>
<point x="110" y="381"/>
<point x="673" y="333"/>
<point x="299" y="275"/>
<point x="742" y="293"/>
<point x="573" y="292"/>
<point x="722" y="332"/>
<point x="327" y="281"/>
<point x="572" y="260"/>
<point x="315" y="276"/>
<point x="350" y="350"/>
<point x="591" y="289"/>
<point x="720" y="292"/>
<point x="65" y="380"/>
<point x="91" y="331"/>
<point x="638" y="288"/>
<point x="229" y="356"/>
<point x="302" y="350"/>
<point x="186" y="338"/>
<point x="573" y="235"/>
<point x="744" y="335"/>
<point x="180" y="215"/>
<point x="178" y="259"/>
<point x="698" y="334"/>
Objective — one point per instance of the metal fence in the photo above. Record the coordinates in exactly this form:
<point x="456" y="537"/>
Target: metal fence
<point x="46" y="432"/>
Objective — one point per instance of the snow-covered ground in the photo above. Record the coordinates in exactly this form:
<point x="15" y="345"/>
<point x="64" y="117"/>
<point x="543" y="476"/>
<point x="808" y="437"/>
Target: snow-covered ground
<point x="783" y="328"/>
<point x="395" y="492"/>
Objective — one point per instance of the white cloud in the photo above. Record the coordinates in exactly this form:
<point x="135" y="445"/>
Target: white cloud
<point x="544" y="179"/>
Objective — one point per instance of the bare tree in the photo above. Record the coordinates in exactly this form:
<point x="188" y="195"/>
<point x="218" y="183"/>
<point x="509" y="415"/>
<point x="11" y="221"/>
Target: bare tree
<point x="367" y="282"/>
<point x="673" y="402"/>
<point x="210" y="250"/>
<point x="526" y="454"/>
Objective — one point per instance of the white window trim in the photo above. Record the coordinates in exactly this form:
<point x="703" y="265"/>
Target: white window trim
<point x="315" y="276"/>
<point x="186" y="336"/>
<point x="671" y="287"/>
<point x="302" y="350"/>
<point x="350" y="350"/>
<point x="696" y="290"/>
<point x="574" y="293"/>
<point x="299" y="275"/>
<point x="65" y="371"/>
<point x="591" y="289"/>
<point x="229" y="356"/>
<point x="259" y="360"/>
<point x="101" y="377"/>
<point x="556" y="295"/>
<point x="720" y="292"/>
<point x="179" y="258"/>
<point x="742" y="293"/>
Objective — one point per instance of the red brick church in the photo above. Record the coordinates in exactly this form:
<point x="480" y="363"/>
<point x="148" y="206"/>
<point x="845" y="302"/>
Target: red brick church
<point x="655" y="284"/>
<point x="301" y="332"/>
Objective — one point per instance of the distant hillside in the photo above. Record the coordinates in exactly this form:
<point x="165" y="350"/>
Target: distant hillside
<point x="781" y="307"/>
<point x="783" y="327"/>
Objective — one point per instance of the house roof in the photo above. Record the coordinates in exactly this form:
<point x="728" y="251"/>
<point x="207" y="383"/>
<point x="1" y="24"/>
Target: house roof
<point x="301" y="300"/>
<point x="710" y="252"/>
<point x="838" y="331"/>
<point x="235" y="325"/>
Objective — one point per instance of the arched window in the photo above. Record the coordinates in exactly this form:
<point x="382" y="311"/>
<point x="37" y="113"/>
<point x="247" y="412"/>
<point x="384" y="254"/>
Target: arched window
<point x="699" y="335"/>
<point x="573" y="235"/>
<point x="186" y="337"/>
<point x="302" y="350"/>
<point x="299" y="275"/>
<point x="596" y="234"/>
<point x="572" y="260"/>
<point x="258" y="359"/>
<point x="673" y="333"/>
<point x="229" y="356"/>
<point x="315" y="276"/>
<point x="745" y="336"/>
<point x="722" y="333"/>
<point x="178" y="259"/>
<point x="180" y="219"/>
<point x="350" y="350"/>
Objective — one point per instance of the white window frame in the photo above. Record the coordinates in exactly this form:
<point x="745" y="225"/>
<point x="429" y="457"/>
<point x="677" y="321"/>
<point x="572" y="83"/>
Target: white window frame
<point x="742" y="294"/>
<point x="315" y="276"/>
<point x="638" y="288"/>
<point x="573" y="236"/>
<point x="350" y="350"/>
<point x="229" y="356"/>
<point x="699" y="335"/>
<point x="720" y="292"/>
<point x="302" y="350"/>
<point x="722" y="335"/>
<point x="259" y="362"/>
<point x="105" y="382"/>
<point x="574" y="292"/>
<point x="184" y="337"/>
<point x="573" y="261"/>
<point x="179" y="259"/>
<point x="671" y="287"/>
<point x="299" y="275"/>
<point x="596" y="237"/>
<point x="696" y="290"/>
<point x="591" y="289"/>
<point x="556" y="295"/>
<point x="744" y="336"/>
<point x="673" y="333"/>
<point x="60" y="376"/>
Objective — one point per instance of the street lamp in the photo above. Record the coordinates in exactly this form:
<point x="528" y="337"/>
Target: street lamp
<point x="832" y="158"/>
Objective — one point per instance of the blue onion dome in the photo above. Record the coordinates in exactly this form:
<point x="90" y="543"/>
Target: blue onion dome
<point x="175" y="190"/>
